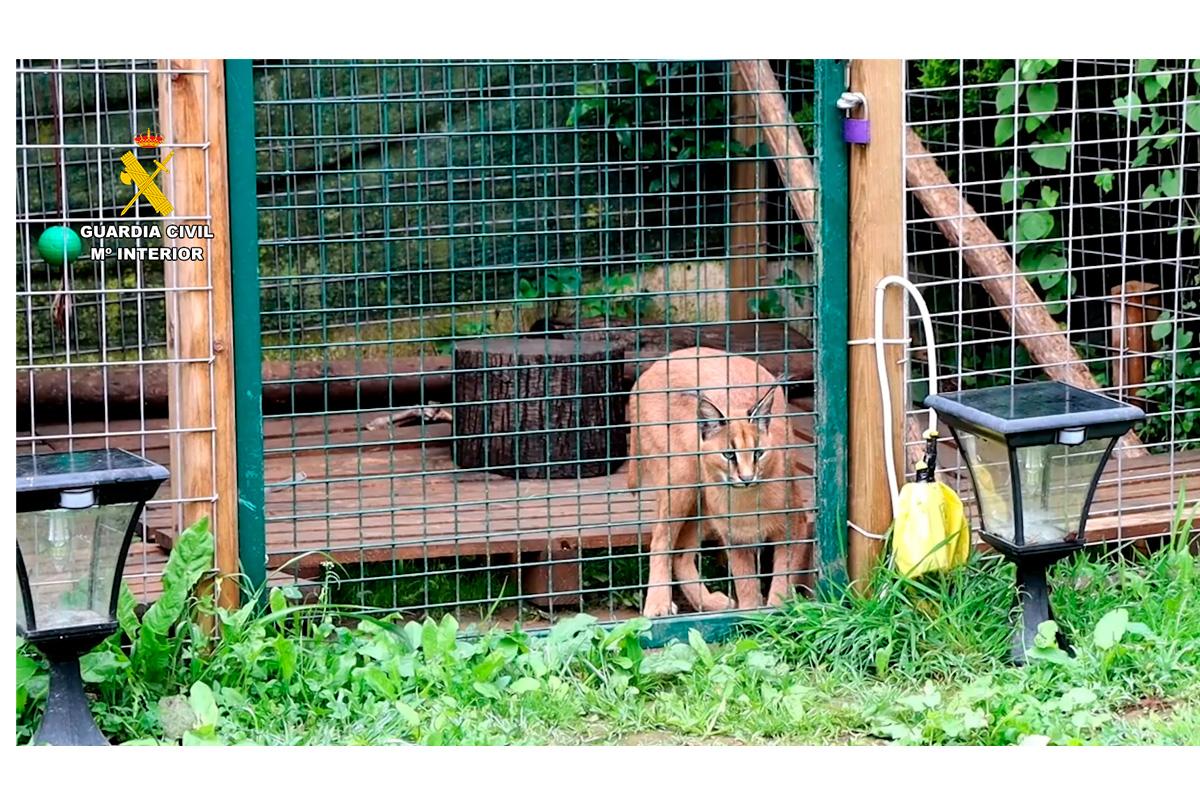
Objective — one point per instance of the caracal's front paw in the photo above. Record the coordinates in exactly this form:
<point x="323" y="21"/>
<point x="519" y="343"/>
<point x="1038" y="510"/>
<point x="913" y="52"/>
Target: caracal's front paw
<point x="780" y="595"/>
<point x="659" y="605"/>
<point x="718" y="601"/>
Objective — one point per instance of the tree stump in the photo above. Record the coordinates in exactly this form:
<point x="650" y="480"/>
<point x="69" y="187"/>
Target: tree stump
<point x="539" y="408"/>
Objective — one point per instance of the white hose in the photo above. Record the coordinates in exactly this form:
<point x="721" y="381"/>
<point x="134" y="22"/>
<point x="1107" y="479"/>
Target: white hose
<point x="880" y="365"/>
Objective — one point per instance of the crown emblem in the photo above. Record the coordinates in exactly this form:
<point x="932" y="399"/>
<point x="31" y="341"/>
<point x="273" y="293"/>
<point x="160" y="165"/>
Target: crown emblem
<point x="148" y="139"/>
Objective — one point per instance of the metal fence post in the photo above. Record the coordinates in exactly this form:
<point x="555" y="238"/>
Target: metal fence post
<point x="832" y="324"/>
<point x="247" y="333"/>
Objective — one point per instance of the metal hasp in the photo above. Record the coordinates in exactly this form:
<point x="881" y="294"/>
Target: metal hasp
<point x="76" y="514"/>
<point x="1035" y="452"/>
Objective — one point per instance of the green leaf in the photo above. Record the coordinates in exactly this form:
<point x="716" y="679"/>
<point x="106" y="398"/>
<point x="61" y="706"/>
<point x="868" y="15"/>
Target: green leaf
<point x="277" y="601"/>
<point x="1192" y="115"/>
<point x="190" y="559"/>
<point x="1013" y="185"/>
<point x="1051" y="654"/>
<point x="1048" y="280"/>
<point x="1129" y="106"/>
<point x="488" y="690"/>
<point x="1005" y="127"/>
<point x="1105" y="180"/>
<point x="285" y="651"/>
<point x="930" y="698"/>
<point x="1047" y="634"/>
<point x="1043" y="100"/>
<point x="204" y="706"/>
<point x="1079" y="697"/>
<point x="1162" y="329"/>
<point x="883" y="657"/>
<point x="1142" y="629"/>
<point x="1110" y="628"/>
<point x="407" y="713"/>
<point x="1145" y="65"/>
<point x="127" y="613"/>
<point x="1172" y="183"/>
<point x="26" y="669"/>
<point x="671" y="660"/>
<point x="194" y="739"/>
<point x="525" y="685"/>
<point x="1167" y="139"/>
<point x="1007" y="94"/>
<point x="1050" y="157"/>
<point x="448" y="632"/>
<point x="1139" y="160"/>
<point x="1032" y="68"/>
<point x="1049" y="197"/>
<point x="430" y="642"/>
<point x="1150" y="194"/>
<point x="378" y="681"/>
<point x="1151" y="87"/>
<point x="974" y="719"/>
<point x="700" y="647"/>
<point x="102" y="666"/>
<point x="1034" y="225"/>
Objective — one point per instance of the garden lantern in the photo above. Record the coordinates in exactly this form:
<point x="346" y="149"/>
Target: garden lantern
<point x="76" y="513"/>
<point x="1035" y="452"/>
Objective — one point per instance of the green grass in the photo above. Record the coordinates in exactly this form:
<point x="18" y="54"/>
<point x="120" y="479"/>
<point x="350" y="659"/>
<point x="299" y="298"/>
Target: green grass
<point x="914" y="663"/>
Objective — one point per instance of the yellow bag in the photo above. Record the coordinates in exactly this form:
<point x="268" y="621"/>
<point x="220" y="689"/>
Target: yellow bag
<point x="930" y="531"/>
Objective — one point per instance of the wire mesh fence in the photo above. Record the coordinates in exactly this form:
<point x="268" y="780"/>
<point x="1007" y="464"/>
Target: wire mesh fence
<point x="94" y="355"/>
<point x="467" y="271"/>
<point x="1085" y="175"/>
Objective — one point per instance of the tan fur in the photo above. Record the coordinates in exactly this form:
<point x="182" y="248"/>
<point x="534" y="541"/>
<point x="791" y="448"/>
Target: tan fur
<point x="692" y="476"/>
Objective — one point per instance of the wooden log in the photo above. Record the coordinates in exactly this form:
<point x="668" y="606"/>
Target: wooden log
<point x="783" y="139"/>
<point x="553" y="579"/>
<point x="533" y="409"/>
<point x="134" y="392"/>
<point x="747" y="212"/>
<point x="1128" y="304"/>
<point x="876" y="251"/>
<point x="988" y="258"/>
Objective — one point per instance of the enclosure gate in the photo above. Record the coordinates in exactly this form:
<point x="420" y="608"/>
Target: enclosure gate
<point x="427" y="253"/>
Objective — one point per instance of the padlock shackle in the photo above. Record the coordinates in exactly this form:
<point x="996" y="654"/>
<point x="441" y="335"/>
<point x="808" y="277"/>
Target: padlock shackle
<point x="848" y="101"/>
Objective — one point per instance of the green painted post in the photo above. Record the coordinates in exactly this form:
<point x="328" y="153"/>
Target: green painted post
<point x="833" y="299"/>
<point x="247" y="333"/>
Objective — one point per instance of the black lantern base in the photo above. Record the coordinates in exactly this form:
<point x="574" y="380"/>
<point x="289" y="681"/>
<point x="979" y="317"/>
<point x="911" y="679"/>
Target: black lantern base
<point x="1033" y="599"/>
<point x="68" y="721"/>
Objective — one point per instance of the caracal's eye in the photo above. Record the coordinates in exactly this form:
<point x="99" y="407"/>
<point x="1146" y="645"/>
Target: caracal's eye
<point x="758" y="454"/>
<point x="731" y="456"/>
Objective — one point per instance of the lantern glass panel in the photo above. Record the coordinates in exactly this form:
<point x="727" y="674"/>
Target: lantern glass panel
<point x="1054" y="478"/>
<point x="70" y="558"/>
<point x="988" y="460"/>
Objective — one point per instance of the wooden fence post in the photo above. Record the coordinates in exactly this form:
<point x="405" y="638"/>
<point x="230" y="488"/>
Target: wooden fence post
<point x="748" y="222"/>
<point x="199" y="320"/>
<point x="876" y="250"/>
<point x="1129" y="337"/>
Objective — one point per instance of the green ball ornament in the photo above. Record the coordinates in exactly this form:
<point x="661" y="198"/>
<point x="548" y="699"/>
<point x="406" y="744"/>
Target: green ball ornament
<point x="59" y="245"/>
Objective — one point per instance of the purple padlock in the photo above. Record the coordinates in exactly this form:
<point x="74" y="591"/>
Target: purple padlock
<point x="856" y="131"/>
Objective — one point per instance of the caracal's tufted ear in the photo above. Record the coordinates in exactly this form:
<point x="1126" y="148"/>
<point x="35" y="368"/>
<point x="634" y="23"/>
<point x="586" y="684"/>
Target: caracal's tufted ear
<point x="760" y="412"/>
<point x="710" y="417"/>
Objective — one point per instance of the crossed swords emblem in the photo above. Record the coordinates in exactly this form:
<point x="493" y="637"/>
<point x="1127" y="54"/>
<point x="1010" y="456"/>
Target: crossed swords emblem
<point x="135" y="173"/>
